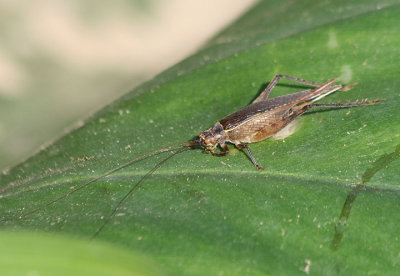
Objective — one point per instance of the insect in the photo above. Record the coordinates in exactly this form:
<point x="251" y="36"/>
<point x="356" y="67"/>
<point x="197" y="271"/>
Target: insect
<point x="261" y="119"/>
<point x="265" y="117"/>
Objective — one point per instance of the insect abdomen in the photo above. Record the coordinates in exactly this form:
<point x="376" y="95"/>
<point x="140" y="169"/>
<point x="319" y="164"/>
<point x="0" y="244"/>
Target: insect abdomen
<point x="256" y="129"/>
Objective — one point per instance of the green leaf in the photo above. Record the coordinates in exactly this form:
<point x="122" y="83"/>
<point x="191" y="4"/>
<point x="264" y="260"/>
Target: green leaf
<point x="327" y="201"/>
<point x="25" y="253"/>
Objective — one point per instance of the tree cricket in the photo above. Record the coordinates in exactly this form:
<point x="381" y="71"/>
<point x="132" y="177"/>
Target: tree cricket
<point x="256" y="122"/>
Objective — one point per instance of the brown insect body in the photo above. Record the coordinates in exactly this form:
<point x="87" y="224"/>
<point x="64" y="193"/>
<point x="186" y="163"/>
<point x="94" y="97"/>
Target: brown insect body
<point x="261" y="119"/>
<point x="265" y="117"/>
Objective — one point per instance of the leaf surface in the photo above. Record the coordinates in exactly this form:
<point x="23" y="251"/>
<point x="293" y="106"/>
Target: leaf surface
<point x="327" y="201"/>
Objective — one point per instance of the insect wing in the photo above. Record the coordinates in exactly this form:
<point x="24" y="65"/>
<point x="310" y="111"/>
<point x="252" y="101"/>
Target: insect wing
<point x="243" y="115"/>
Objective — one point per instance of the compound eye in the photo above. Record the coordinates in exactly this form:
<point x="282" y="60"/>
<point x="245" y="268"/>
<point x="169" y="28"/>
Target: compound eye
<point x="202" y="142"/>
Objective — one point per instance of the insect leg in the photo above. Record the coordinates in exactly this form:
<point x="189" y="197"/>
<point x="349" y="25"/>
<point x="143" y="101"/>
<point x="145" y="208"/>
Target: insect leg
<point x="225" y="150"/>
<point x="264" y="95"/>
<point x="253" y="160"/>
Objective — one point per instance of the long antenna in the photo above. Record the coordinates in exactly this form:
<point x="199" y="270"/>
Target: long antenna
<point x="135" y="188"/>
<point x="185" y="144"/>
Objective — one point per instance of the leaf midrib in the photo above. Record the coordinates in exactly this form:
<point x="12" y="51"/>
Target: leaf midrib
<point x="207" y="173"/>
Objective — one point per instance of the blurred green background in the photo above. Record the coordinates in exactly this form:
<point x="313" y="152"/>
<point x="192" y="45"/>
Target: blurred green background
<point x="61" y="60"/>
